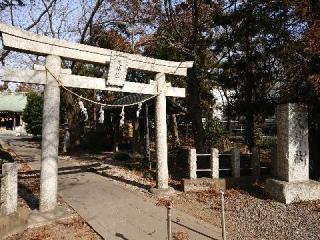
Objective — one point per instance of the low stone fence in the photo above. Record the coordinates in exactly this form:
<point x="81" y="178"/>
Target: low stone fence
<point x="195" y="183"/>
<point x="9" y="188"/>
<point x="214" y="163"/>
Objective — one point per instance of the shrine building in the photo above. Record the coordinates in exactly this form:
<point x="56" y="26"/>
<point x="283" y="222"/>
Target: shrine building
<point x="12" y="105"/>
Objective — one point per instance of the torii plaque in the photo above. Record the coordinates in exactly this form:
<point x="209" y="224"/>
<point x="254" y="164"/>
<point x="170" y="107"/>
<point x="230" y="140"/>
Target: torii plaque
<point x="55" y="50"/>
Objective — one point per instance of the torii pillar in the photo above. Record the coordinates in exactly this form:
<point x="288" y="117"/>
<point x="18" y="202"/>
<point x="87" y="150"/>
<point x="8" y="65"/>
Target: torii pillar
<point x="161" y="134"/>
<point x="55" y="49"/>
<point x="50" y="137"/>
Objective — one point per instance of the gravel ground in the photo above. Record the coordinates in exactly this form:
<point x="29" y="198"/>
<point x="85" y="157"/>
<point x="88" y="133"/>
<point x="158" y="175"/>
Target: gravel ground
<point x="254" y="217"/>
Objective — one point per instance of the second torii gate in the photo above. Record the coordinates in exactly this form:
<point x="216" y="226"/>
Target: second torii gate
<point x="55" y="50"/>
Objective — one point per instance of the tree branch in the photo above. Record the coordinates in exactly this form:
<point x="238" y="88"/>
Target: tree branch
<point x="5" y="53"/>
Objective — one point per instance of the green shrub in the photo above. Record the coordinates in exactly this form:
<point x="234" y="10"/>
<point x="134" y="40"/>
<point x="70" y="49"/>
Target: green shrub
<point x="267" y="142"/>
<point x="32" y="114"/>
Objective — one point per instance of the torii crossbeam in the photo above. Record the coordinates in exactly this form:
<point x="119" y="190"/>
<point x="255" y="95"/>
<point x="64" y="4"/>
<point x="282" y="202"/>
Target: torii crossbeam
<point x="55" y="50"/>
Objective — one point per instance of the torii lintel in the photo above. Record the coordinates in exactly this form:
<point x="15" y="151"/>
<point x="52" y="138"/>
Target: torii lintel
<point x="24" y="41"/>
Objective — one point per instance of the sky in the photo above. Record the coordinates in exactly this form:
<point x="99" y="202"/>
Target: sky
<point x="69" y="16"/>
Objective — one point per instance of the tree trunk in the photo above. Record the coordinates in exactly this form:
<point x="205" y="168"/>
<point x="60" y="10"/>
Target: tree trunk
<point x="175" y="130"/>
<point x="250" y="130"/>
<point x="314" y="139"/>
<point x="74" y="123"/>
<point x="193" y="100"/>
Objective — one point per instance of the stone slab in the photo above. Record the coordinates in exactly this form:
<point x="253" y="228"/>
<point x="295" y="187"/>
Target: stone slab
<point x="201" y="184"/>
<point x="37" y="218"/>
<point x="289" y="192"/>
<point x="13" y="224"/>
<point x="163" y="192"/>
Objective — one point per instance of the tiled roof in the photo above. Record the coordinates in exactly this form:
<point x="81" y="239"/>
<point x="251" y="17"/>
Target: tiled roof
<point x="12" y="102"/>
<point x="130" y="99"/>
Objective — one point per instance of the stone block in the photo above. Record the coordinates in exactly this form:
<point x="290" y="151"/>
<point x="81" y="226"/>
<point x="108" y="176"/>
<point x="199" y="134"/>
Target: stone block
<point x="292" y="143"/>
<point x="289" y="192"/>
<point x="38" y="219"/>
<point x="14" y="223"/>
<point x="163" y="192"/>
<point x="201" y="184"/>
<point x="9" y="188"/>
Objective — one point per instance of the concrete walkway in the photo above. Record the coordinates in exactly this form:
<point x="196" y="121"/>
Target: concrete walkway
<point x="112" y="210"/>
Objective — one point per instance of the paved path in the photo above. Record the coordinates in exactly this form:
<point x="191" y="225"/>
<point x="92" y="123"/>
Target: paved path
<point x="113" y="210"/>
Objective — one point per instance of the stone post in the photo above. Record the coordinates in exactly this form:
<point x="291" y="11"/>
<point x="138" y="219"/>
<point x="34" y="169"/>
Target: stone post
<point x="50" y="137"/>
<point x="192" y="163"/>
<point x="9" y="188"/>
<point x="292" y="183"/>
<point x="161" y="133"/>
<point x="255" y="162"/>
<point x="214" y="163"/>
<point x="235" y="162"/>
<point x="293" y="146"/>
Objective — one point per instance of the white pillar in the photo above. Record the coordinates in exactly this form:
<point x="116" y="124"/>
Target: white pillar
<point x="192" y="163"/>
<point x="214" y="163"/>
<point x="161" y="133"/>
<point x="235" y="162"/>
<point x="50" y="137"/>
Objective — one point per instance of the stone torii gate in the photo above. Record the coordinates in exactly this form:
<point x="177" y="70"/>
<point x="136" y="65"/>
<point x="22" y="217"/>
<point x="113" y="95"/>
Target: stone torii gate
<point x="55" y="50"/>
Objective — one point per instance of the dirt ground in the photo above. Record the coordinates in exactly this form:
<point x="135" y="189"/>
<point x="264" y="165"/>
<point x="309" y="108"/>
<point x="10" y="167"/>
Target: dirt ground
<point x="71" y="228"/>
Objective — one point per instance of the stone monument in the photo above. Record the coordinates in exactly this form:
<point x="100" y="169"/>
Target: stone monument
<point x="291" y="165"/>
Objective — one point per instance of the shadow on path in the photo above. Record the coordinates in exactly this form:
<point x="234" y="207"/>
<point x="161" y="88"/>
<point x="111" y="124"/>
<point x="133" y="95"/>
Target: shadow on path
<point x="28" y="196"/>
<point x="119" y="235"/>
<point x="65" y="170"/>
<point x="191" y="229"/>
